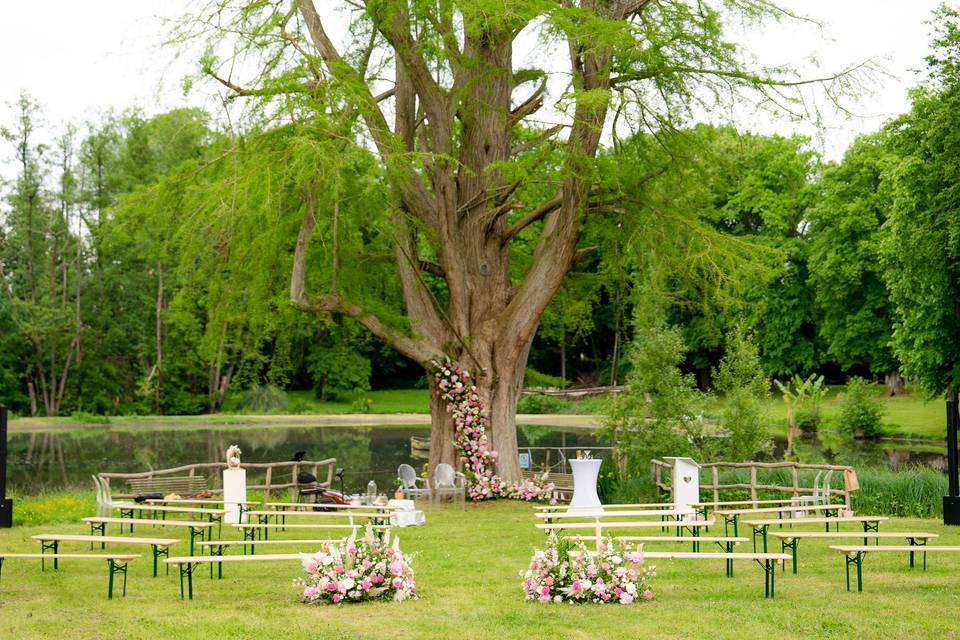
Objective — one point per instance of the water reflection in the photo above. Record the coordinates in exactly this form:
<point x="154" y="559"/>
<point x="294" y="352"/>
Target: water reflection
<point x="59" y="459"/>
<point x="834" y="448"/>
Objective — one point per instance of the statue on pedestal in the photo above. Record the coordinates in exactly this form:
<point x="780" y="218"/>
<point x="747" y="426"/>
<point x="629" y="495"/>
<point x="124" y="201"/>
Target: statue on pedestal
<point x="233" y="457"/>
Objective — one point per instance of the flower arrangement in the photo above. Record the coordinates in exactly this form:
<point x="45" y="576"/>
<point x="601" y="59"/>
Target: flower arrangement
<point x="470" y="421"/>
<point x="357" y="570"/>
<point x="609" y="576"/>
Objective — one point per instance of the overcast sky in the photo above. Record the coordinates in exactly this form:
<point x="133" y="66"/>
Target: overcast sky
<point x="78" y="58"/>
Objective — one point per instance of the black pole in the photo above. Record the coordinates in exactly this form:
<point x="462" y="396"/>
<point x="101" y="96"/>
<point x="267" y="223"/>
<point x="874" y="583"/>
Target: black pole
<point x="6" y="504"/>
<point x="951" y="502"/>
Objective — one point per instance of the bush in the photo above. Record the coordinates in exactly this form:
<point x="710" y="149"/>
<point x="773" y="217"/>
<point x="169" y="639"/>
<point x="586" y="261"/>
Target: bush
<point x="540" y="403"/>
<point x="807" y="418"/>
<point x="89" y="418"/>
<point x="533" y="379"/>
<point x="741" y="379"/>
<point x="263" y="399"/>
<point x="362" y="405"/>
<point x="861" y="413"/>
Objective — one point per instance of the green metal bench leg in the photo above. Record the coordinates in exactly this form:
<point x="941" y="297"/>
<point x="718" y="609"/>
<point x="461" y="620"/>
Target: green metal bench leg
<point x="102" y="528"/>
<point x="157" y="552"/>
<point x="857" y="560"/>
<point x="114" y="568"/>
<point x="735" y="526"/>
<point x="47" y="546"/>
<point x="763" y="532"/>
<point x="186" y="569"/>
<point x="729" y="549"/>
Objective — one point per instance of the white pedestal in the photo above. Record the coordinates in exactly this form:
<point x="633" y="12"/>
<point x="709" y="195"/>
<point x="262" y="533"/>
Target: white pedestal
<point x="685" y="481"/>
<point x="234" y="492"/>
<point x="585" y="497"/>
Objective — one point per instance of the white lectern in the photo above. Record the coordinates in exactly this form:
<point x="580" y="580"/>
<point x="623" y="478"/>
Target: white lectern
<point x="685" y="482"/>
<point x="234" y="492"/>
<point x="585" y="472"/>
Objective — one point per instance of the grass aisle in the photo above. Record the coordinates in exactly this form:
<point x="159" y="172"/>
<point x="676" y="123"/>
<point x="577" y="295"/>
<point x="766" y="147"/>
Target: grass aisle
<point x="467" y="568"/>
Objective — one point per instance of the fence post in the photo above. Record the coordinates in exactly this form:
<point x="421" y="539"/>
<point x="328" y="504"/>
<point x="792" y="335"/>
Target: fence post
<point x="293" y="489"/>
<point x="753" y="486"/>
<point x="269" y="481"/>
<point x="716" y="485"/>
<point x="796" y="481"/>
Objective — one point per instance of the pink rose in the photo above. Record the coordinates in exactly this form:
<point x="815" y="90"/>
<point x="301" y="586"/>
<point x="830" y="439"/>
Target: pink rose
<point x="336" y="598"/>
<point x="310" y="592"/>
<point x="331" y="586"/>
<point x="311" y="566"/>
<point x="648" y="595"/>
<point x="396" y="567"/>
<point x="397" y="583"/>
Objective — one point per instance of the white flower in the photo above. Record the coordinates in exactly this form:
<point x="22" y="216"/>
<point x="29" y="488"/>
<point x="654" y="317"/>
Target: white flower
<point x="631" y="588"/>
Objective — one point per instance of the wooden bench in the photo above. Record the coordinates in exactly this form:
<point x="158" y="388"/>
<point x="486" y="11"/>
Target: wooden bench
<point x="854" y="555"/>
<point x="575" y="513"/>
<point x="180" y="485"/>
<point x="562" y="482"/>
<point x="606" y="507"/>
<point x="727" y="543"/>
<point x="197" y="529"/>
<point x="760" y="527"/>
<point x="733" y="515"/>
<point x="212" y="515"/>
<point x="51" y="542"/>
<point x="263" y="517"/>
<point x="324" y="507"/>
<point x="767" y="561"/>
<point x="116" y="563"/>
<point x="790" y="539"/>
<point x="250" y="530"/>
<point x="216" y="546"/>
<point x="598" y="526"/>
<point x="186" y="564"/>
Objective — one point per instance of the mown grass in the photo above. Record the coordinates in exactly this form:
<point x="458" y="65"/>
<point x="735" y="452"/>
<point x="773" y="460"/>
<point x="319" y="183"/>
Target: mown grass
<point x="467" y="567"/>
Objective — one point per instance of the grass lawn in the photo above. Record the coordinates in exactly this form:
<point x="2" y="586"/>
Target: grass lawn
<point x="467" y="568"/>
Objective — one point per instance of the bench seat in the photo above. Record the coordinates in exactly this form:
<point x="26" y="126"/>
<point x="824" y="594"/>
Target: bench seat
<point x="116" y="563"/>
<point x="197" y="529"/>
<point x="791" y="539"/>
<point x="760" y="527"/>
<point x="853" y="555"/>
<point x="51" y="541"/>
<point x="186" y="564"/>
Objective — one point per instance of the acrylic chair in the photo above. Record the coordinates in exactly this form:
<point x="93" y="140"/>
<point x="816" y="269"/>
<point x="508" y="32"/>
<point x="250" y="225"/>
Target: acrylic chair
<point x="447" y="482"/>
<point x="408" y="483"/>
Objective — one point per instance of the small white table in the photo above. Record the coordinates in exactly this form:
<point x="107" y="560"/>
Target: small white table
<point x="585" y="473"/>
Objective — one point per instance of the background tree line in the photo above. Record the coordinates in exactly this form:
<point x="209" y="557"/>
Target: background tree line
<point x="144" y="262"/>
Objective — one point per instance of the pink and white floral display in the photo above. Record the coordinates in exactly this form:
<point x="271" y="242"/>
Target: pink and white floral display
<point x="358" y="570"/>
<point x="609" y="576"/>
<point x="470" y="421"/>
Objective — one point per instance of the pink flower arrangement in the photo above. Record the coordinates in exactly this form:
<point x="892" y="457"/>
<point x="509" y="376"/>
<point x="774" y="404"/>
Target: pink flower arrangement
<point x="369" y="568"/>
<point x="565" y="572"/>
<point x="470" y="421"/>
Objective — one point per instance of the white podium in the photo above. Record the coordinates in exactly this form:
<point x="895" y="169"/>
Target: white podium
<point x="685" y="482"/>
<point x="585" y="497"/>
<point x="234" y="492"/>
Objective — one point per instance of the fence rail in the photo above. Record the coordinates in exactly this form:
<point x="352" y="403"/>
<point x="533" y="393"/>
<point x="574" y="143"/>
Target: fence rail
<point x="850" y="482"/>
<point x="211" y="469"/>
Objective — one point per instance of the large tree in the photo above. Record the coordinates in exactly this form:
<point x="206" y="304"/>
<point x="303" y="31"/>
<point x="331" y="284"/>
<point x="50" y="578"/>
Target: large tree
<point x="436" y="92"/>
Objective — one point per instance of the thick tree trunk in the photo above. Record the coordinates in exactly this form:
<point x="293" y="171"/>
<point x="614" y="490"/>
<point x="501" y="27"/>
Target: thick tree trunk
<point x="441" y="431"/>
<point x="895" y="384"/>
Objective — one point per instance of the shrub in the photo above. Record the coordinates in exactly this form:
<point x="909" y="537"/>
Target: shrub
<point x="861" y="413"/>
<point x="362" y="405"/>
<point x="741" y="379"/>
<point x="533" y="379"/>
<point x="540" y="403"/>
<point x="263" y="399"/>
<point x="89" y="418"/>
<point x="915" y="492"/>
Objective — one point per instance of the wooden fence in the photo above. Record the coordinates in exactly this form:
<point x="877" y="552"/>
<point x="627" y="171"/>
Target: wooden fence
<point x="850" y="482"/>
<point x="274" y="476"/>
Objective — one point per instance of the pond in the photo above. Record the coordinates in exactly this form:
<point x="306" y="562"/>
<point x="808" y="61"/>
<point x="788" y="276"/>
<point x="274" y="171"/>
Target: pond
<point x="57" y="459"/>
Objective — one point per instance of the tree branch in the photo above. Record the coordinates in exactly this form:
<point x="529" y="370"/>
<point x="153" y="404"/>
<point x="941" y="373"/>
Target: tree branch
<point x="531" y="217"/>
<point x="530" y="144"/>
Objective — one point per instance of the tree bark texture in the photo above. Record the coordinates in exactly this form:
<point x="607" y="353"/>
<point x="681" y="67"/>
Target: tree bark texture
<point x="456" y="198"/>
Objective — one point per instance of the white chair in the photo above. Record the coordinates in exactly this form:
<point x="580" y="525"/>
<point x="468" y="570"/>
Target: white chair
<point x="105" y="502"/>
<point x="447" y="482"/>
<point x="815" y="498"/>
<point x="408" y="483"/>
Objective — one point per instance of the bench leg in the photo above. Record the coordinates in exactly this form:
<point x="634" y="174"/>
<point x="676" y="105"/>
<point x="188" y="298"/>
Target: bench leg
<point x="114" y="568"/>
<point x="102" y="528"/>
<point x="769" y="572"/>
<point x="793" y="551"/>
<point x="157" y="552"/>
<point x="729" y="549"/>
<point x="857" y="560"/>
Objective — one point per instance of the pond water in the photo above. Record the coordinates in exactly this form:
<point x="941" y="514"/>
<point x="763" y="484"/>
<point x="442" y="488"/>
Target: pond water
<point x="56" y="459"/>
<point x="67" y="458"/>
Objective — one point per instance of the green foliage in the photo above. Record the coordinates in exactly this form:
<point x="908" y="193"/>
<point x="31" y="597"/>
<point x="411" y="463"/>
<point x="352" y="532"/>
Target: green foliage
<point x="362" y="405"/>
<point x="657" y="415"/>
<point x="89" y="418"/>
<point x="803" y="397"/>
<point x="533" y="379"/>
<point x="741" y="381"/>
<point x="905" y="492"/>
<point x="861" y="413"/>
<point x="540" y="403"/>
<point x="264" y="399"/>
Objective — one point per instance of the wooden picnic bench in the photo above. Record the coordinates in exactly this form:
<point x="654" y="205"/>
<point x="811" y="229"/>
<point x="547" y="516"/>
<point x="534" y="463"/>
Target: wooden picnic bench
<point x="197" y="529"/>
<point x="760" y="527"/>
<point x="323" y="506"/>
<point x="180" y="485"/>
<point x="790" y="539"/>
<point x="598" y="526"/>
<point x="51" y="542"/>
<point x="263" y="517"/>
<point x="767" y="561"/>
<point x="187" y="563"/>
<point x="116" y="563"/>
<point x="733" y="515"/>
<point x="727" y="543"/>
<point x="213" y="515"/>
<point x="854" y="555"/>
<point x="216" y="546"/>
<point x="250" y="530"/>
